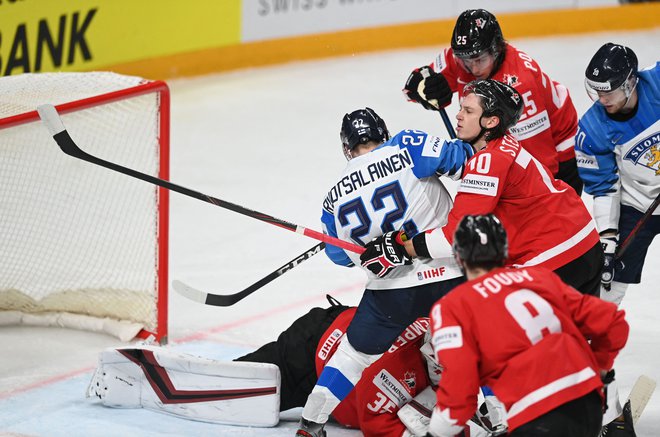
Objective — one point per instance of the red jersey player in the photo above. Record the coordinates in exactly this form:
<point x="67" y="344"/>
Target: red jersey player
<point x="162" y="379"/>
<point x="392" y="381"/>
<point x="547" y="222"/>
<point x="532" y="347"/>
<point x="478" y="50"/>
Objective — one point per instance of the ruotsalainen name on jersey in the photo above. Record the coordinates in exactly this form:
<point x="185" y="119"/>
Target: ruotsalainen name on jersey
<point x="372" y="173"/>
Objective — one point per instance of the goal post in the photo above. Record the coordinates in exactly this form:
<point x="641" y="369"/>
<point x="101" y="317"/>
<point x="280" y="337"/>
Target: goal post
<point x="81" y="246"/>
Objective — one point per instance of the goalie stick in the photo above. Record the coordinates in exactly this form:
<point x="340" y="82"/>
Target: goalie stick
<point x="225" y="300"/>
<point x="51" y="119"/>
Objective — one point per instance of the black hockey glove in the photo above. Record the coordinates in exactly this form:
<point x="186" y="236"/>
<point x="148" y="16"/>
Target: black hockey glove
<point x="384" y="253"/>
<point x="428" y="88"/>
<point x="609" y="245"/>
<point x="437" y="91"/>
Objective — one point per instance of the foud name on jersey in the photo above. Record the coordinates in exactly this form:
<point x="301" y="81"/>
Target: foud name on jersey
<point x="493" y="283"/>
<point x="372" y="173"/>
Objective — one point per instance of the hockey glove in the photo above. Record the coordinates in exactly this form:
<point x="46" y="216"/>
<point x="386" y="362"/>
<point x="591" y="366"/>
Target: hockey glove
<point x="436" y="90"/>
<point x="607" y="379"/>
<point x="423" y="81"/>
<point x="609" y="245"/>
<point x="384" y="253"/>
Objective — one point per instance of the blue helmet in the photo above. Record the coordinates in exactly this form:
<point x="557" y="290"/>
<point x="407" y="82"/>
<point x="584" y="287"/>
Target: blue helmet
<point x="611" y="67"/>
<point x="360" y="127"/>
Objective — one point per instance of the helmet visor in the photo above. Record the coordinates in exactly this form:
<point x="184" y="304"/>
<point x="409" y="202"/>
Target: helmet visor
<point x="480" y="65"/>
<point x="604" y="92"/>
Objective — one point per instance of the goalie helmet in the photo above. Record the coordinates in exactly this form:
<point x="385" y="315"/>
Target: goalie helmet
<point x="360" y="127"/>
<point x="475" y="32"/>
<point x="497" y="99"/>
<point x="612" y="67"/>
<point x="480" y="241"/>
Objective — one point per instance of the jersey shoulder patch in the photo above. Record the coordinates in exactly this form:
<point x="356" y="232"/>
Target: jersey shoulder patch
<point x="449" y="337"/>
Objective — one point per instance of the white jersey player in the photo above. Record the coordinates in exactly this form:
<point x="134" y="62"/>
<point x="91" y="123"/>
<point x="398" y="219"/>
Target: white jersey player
<point x="618" y="150"/>
<point x="388" y="185"/>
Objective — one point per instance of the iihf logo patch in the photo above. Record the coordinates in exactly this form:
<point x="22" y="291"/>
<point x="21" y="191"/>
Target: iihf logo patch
<point x="646" y="153"/>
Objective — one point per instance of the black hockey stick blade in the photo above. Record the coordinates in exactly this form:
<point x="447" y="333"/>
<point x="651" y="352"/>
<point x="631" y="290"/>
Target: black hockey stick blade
<point x="51" y="119"/>
<point x="225" y="300"/>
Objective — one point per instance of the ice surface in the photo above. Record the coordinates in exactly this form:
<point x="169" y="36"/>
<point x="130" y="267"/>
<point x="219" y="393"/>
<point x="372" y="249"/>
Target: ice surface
<point x="268" y="139"/>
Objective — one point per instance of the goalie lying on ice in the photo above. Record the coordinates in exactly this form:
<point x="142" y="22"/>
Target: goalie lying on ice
<point x="276" y="377"/>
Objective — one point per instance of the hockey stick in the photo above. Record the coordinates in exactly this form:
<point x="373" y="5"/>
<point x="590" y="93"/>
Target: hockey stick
<point x="640" y="396"/>
<point x="51" y="118"/>
<point x="629" y="239"/>
<point x="230" y="299"/>
<point x="448" y="126"/>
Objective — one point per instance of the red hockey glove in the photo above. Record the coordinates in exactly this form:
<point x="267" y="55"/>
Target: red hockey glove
<point x="384" y="253"/>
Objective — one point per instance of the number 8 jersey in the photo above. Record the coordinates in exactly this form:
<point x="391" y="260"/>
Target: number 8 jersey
<point x="531" y="349"/>
<point x="396" y="186"/>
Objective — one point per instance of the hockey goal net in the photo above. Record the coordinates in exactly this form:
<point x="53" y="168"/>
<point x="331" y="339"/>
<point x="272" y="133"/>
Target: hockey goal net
<point x="82" y="246"/>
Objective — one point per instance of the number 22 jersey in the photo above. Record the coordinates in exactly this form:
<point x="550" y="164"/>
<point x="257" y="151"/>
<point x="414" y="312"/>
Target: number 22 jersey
<point x="396" y="186"/>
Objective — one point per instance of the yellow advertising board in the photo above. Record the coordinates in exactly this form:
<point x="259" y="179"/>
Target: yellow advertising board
<point x="161" y="39"/>
<point x="77" y="35"/>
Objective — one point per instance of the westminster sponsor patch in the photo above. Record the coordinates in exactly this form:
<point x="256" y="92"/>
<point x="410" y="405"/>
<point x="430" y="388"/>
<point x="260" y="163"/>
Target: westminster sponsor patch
<point x="450" y="337"/>
<point x="531" y="126"/>
<point x="392" y="388"/>
<point x="479" y="184"/>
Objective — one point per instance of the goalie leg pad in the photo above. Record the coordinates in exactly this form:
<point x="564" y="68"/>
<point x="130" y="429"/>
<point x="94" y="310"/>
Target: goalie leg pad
<point x="187" y="386"/>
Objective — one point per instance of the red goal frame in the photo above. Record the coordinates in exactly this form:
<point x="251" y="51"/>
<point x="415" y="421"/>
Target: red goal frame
<point x="161" y="88"/>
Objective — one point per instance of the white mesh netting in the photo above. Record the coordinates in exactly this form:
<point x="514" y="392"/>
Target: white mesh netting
<point x="76" y="237"/>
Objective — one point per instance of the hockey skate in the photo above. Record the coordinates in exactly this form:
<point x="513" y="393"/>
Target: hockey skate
<point x="307" y="428"/>
<point x="618" y="427"/>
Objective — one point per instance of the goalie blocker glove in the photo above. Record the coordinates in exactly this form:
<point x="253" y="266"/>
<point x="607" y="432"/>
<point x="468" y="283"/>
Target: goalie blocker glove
<point x="384" y="253"/>
<point x="428" y="88"/>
